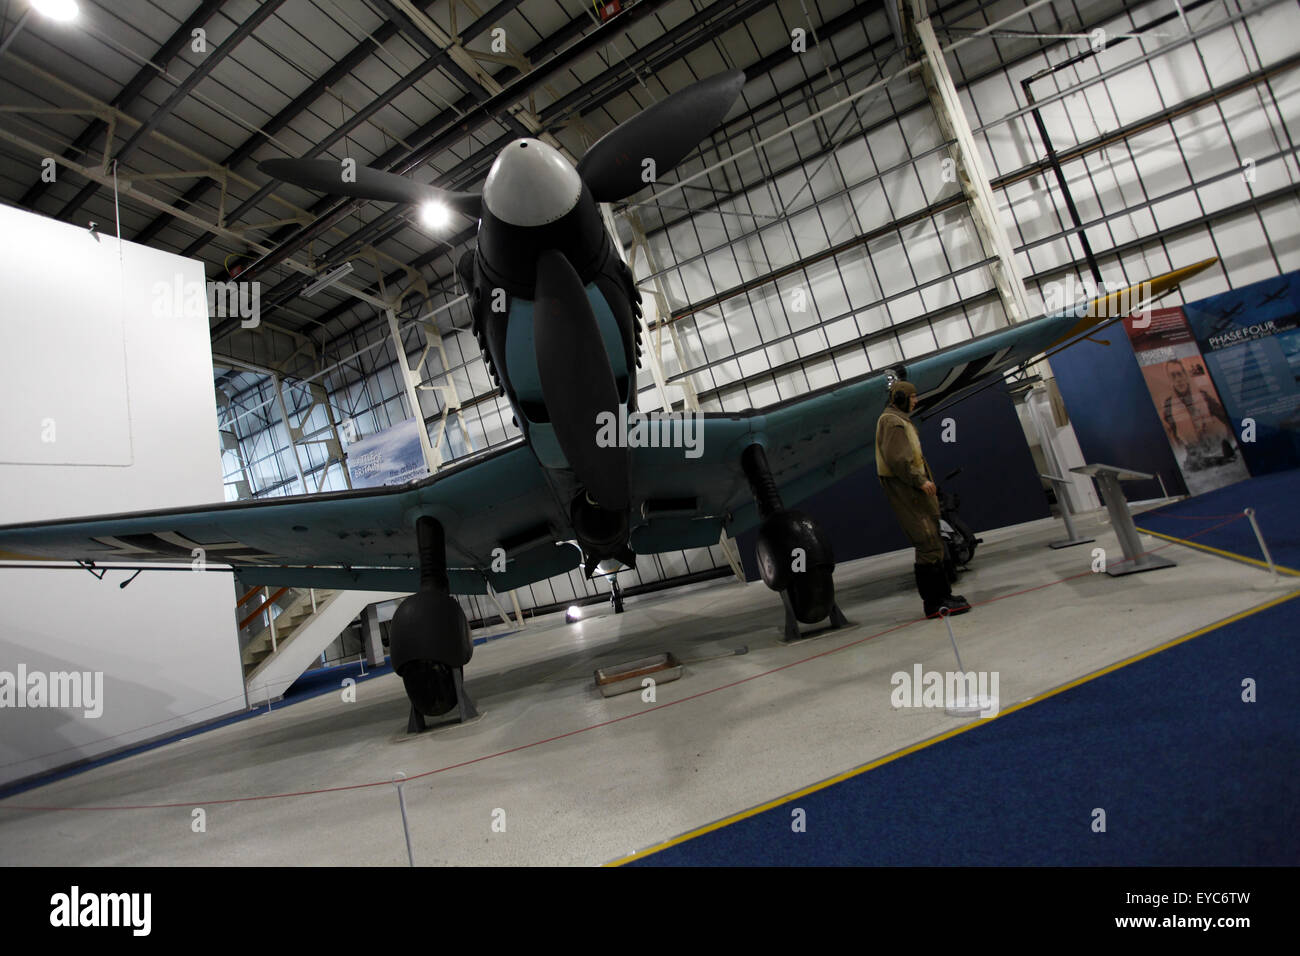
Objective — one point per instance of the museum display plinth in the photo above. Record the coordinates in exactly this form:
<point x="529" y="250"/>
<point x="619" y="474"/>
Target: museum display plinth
<point x="1108" y="478"/>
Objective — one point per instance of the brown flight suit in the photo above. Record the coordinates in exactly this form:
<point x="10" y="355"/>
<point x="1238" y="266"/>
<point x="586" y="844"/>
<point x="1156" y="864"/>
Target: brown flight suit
<point x="902" y="470"/>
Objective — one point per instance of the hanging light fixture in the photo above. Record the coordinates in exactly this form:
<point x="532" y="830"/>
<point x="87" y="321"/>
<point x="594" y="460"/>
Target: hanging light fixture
<point x="64" y="11"/>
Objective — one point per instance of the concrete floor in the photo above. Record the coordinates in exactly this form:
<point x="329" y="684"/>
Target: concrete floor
<point x="586" y="796"/>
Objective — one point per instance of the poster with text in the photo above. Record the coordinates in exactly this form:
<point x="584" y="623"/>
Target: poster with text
<point x="1196" y="423"/>
<point x="1250" y="338"/>
<point x="391" y="457"/>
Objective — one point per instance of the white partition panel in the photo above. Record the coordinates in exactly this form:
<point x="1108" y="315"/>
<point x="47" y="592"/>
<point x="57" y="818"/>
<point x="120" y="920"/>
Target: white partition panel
<point x="87" y="316"/>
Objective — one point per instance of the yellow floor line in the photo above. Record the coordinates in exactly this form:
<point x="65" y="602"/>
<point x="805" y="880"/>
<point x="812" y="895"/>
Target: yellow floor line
<point x="889" y="758"/>
<point x="1223" y="554"/>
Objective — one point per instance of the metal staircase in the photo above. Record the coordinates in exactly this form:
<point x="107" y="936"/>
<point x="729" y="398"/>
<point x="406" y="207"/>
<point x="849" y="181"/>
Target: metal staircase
<point x="286" y="631"/>
<point x="293" y="608"/>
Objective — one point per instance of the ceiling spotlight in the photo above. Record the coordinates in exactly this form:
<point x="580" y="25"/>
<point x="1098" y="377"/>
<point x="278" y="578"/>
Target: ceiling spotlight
<point x="574" y="613"/>
<point x="435" y="215"/>
<point x="61" y="10"/>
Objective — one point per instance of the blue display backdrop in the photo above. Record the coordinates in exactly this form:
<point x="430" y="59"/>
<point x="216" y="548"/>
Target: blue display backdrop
<point x="1111" y="410"/>
<point x="1250" y="338"/>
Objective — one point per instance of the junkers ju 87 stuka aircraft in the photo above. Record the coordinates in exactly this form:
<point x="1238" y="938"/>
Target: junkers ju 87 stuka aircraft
<point x="555" y="311"/>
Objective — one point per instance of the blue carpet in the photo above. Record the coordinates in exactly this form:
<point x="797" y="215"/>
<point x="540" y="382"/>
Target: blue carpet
<point x="1187" y="773"/>
<point x="322" y="680"/>
<point x="1274" y="498"/>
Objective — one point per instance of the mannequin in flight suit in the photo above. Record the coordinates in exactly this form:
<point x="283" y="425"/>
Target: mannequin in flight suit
<point x="910" y="488"/>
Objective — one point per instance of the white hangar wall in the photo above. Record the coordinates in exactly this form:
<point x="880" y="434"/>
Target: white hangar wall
<point x="853" y="210"/>
<point x="166" y="644"/>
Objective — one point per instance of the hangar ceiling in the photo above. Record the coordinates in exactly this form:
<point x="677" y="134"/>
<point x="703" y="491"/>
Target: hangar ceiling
<point x="406" y="85"/>
<point x="193" y="95"/>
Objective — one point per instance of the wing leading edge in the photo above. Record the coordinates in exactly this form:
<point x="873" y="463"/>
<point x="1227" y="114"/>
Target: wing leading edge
<point x="353" y="539"/>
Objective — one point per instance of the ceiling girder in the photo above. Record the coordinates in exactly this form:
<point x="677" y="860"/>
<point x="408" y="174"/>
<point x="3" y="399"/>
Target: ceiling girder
<point x="146" y="75"/>
<point x="161" y="112"/>
<point x="467" y="124"/>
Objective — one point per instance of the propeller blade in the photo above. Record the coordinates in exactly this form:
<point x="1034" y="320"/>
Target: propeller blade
<point x="666" y="133"/>
<point x="577" y="381"/>
<point x="326" y="175"/>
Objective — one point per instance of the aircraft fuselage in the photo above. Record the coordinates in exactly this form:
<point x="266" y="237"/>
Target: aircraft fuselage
<point x="535" y="203"/>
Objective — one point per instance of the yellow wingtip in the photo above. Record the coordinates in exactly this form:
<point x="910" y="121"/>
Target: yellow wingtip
<point x="1126" y="301"/>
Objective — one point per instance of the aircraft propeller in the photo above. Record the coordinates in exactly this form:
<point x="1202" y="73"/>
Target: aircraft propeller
<point x="613" y="168"/>
<point x="326" y="175"/>
<point x="666" y="132"/>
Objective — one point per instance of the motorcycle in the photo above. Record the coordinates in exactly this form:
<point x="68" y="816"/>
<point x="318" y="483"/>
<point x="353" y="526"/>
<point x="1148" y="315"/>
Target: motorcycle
<point x="959" y="541"/>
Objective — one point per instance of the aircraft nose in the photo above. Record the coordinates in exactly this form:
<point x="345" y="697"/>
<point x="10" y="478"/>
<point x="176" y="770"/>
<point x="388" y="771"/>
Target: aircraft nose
<point x="531" y="184"/>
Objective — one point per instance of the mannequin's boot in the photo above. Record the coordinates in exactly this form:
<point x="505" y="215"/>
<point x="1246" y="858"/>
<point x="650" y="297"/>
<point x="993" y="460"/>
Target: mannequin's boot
<point x="932" y="583"/>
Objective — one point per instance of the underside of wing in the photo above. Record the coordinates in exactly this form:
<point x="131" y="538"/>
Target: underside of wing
<point x="495" y="509"/>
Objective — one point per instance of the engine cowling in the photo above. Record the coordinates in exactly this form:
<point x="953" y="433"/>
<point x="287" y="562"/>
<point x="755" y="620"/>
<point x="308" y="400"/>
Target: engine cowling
<point x="602" y="532"/>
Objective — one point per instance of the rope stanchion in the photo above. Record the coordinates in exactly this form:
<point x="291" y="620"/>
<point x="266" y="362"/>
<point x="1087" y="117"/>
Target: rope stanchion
<point x="1275" y="579"/>
<point x="1268" y="558"/>
<point x="961" y="705"/>
<point x="399" y="779"/>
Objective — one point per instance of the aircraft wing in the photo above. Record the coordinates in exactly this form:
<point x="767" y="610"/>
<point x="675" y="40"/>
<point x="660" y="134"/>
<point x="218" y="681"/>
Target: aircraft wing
<point x="500" y="499"/>
<point x="361" y="539"/>
<point x="814" y="440"/>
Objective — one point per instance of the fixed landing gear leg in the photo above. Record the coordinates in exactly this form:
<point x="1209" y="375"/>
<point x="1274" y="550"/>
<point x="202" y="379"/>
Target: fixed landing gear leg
<point x="794" y="554"/>
<point x="429" y="638"/>
<point x="791" y="622"/>
<point x="466" y="703"/>
<point x="415" y="723"/>
<point x="792" y="632"/>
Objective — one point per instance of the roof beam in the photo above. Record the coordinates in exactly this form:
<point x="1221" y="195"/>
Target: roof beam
<point x="403" y="84"/>
<point x="333" y="75"/>
<point x="203" y="166"/>
<point x="102" y="178"/>
<point x="242" y="32"/>
<point x="147" y="73"/>
<point x="434" y="40"/>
